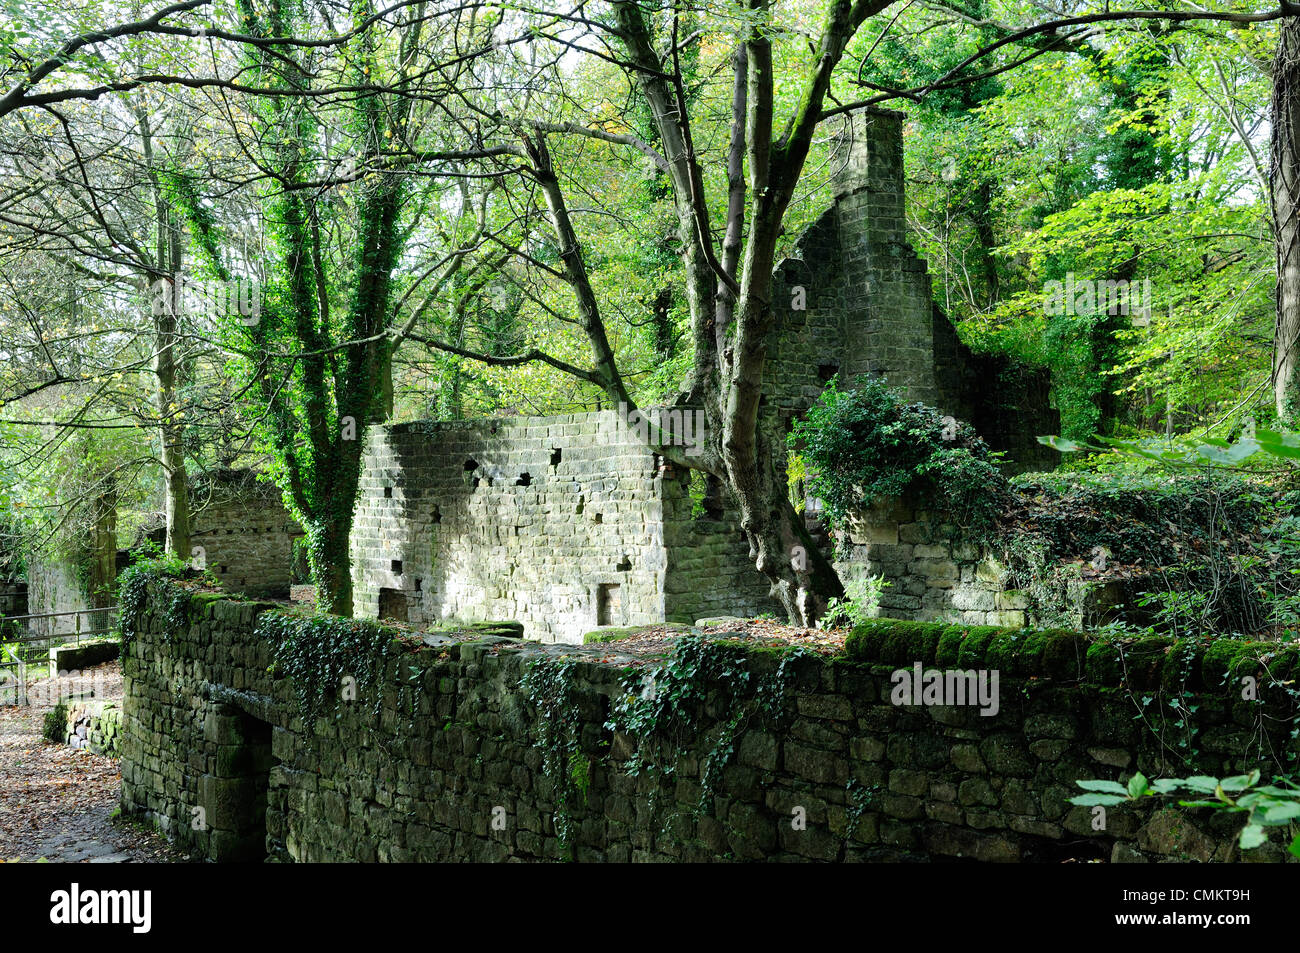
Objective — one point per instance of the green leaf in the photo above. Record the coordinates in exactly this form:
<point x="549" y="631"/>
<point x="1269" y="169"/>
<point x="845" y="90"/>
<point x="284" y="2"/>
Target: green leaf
<point x="1137" y="785"/>
<point x="1092" y="800"/>
<point x="1062" y="444"/>
<point x="1240" y="782"/>
<point x="1252" y="835"/>
<point x="1111" y="787"/>
<point x="1280" y="813"/>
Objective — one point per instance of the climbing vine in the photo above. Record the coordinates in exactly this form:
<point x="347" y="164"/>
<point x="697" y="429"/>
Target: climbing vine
<point x="549" y="687"/>
<point x="664" y="709"/>
<point x="163" y="573"/>
<point x="321" y="653"/>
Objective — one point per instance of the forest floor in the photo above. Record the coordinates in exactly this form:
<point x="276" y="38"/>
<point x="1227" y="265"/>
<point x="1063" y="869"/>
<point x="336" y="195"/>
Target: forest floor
<point x="57" y="803"/>
<point x="651" y="642"/>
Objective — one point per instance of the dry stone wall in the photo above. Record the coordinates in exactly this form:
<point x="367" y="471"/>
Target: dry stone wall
<point x="95" y="726"/>
<point x="934" y="574"/>
<point x="496" y="749"/>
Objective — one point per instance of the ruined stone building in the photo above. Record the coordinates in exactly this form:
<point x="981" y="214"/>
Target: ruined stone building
<point x="567" y="523"/>
<point x="244" y="534"/>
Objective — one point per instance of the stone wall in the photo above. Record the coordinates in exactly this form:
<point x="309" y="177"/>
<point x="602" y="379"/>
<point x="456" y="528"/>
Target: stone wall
<point x="246" y="534"/>
<point x="563" y="523"/>
<point x="855" y="299"/>
<point x="13" y="598"/>
<point x="56" y="585"/>
<point x="938" y="574"/>
<point x="933" y="574"/>
<point x="95" y="726"/>
<point x="455" y="754"/>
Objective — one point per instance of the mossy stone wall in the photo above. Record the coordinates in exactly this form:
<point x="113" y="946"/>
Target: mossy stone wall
<point x="448" y="759"/>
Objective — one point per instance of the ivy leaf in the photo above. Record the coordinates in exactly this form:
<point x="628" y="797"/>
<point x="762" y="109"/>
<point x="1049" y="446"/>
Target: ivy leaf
<point x="1110" y="787"/>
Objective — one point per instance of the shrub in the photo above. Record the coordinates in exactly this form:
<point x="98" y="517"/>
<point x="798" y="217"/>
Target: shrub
<point x="861" y="599"/>
<point x="870" y="444"/>
<point x="55" y="728"/>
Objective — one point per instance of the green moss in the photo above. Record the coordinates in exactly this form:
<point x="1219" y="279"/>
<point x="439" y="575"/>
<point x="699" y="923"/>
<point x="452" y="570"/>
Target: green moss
<point x="1063" y="653"/>
<point x="1017" y="652"/>
<point x="949" y="648"/>
<point x="1103" y="664"/>
<point x="975" y="647"/>
<point x="55" y="727"/>
<point x="1180" y="671"/>
<point x="626" y="632"/>
<point x="894" y="641"/>
<point x="1144" y="660"/>
<point x="907" y="644"/>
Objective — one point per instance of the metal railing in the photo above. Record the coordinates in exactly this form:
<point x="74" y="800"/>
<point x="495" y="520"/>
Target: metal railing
<point x="28" y="641"/>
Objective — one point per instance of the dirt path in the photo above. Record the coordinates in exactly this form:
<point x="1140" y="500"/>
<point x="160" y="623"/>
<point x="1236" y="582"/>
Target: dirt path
<point x="56" y="803"/>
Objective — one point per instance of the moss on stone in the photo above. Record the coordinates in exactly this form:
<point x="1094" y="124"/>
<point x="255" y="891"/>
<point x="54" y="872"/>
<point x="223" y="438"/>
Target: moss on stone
<point x="949" y="648"/>
<point x="1103" y="664"/>
<point x="1144" y="661"/>
<point x="894" y="641"/>
<point x="628" y="631"/>
<point x="975" y="646"/>
<point x="1017" y="652"/>
<point x="1064" y="653"/>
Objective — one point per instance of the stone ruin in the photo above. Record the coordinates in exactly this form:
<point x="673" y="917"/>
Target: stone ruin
<point x="569" y="523"/>
<point x="243" y="532"/>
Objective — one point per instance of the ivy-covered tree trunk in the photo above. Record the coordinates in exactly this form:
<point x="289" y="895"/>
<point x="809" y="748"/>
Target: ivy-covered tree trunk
<point x="1284" y="175"/>
<point x="322" y="376"/>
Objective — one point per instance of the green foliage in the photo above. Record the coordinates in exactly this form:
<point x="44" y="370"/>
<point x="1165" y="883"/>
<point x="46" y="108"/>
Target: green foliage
<point x="317" y="653"/>
<point x="860" y="602"/>
<point x="55" y="725"/>
<point x="1211" y="549"/>
<point x="663" y="708"/>
<point x="1265" y="805"/>
<point x="548" y="687"/>
<point x="869" y="444"/>
<point x="162" y="572"/>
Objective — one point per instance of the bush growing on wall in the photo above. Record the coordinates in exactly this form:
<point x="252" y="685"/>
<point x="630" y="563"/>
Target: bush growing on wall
<point x="869" y="444"/>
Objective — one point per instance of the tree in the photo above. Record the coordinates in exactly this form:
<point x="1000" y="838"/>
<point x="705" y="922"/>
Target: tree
<point x="1284" y="194"/>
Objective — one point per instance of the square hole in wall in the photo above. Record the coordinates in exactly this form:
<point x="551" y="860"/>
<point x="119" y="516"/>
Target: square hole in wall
<point x="608" y="603"/>
<point x="397" y="566"/>
<point x="393" y="605"/>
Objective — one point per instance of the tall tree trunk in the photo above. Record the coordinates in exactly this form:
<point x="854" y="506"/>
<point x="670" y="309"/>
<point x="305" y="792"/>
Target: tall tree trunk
<point x="171" y="430"/>
<point x="1284" y="180"/>
<point x="167" y="302"/>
